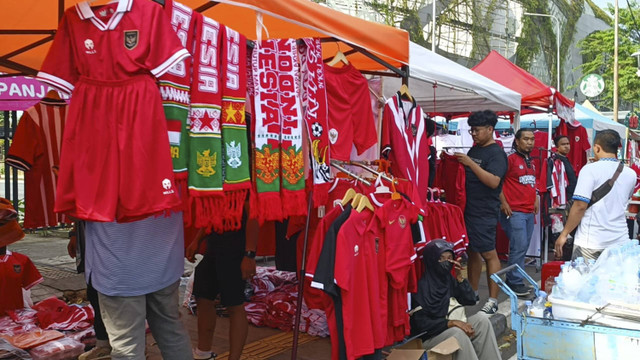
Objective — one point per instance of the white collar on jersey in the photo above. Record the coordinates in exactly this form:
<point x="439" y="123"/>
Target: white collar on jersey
<point x="85" y="12"/>
<point x="6" y="256"/>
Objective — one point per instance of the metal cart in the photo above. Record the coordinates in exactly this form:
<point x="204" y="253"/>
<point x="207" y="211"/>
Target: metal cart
<point x="549" y="339"/>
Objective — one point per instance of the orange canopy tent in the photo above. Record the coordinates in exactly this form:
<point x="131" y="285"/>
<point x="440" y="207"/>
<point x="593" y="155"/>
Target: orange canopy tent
<point x="29" y="26"/>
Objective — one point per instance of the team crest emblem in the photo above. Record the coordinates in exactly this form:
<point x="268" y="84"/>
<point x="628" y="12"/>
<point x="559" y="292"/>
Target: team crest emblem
<point x="333" y="136"/>
<point x="131" y="39"/>
<point x="521" y="167"/>
<point x="356" y="250"/>
<point x="402" y="221"/>
<point x="206" y="163"/>
<point x="17" y="269"/>
<point x="577" y="138"/>
<point x="234" y="152"/>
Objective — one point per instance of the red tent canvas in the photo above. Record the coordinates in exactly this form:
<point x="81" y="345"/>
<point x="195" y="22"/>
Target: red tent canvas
<point x="534" y="92"/>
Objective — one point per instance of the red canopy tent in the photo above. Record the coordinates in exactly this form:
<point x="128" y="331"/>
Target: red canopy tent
<point x="536" y="95"/>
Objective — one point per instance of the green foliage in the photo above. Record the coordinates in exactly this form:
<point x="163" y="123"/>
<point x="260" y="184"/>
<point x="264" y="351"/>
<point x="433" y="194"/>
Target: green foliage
<point x="402" y="14"/>
<point x="599" y="13"/>
<point x="597" y="54"/>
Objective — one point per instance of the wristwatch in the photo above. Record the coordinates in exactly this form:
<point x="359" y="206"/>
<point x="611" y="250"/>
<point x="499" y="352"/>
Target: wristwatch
<point x="250" y="254"/>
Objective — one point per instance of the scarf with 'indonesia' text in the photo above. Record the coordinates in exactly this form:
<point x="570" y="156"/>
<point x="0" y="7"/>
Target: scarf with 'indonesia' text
<point x="218" y="163"/>
<point x="278" y="161"/>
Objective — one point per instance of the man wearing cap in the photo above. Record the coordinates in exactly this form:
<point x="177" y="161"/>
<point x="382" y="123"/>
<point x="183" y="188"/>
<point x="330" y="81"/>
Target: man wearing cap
<point x="485" y="166"/>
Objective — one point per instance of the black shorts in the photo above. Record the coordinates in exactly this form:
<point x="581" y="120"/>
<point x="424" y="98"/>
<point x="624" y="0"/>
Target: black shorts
<point x="481" y="233"/>
<point x="219" y="270"/>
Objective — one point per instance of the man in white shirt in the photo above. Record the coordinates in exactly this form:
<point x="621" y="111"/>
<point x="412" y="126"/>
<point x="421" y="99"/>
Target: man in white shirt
<point x="603" y="224"/>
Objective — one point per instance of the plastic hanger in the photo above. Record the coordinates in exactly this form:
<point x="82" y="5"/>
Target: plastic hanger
<point x="52" y="94"/>
<point x="364" y="203"/>
<point x="380" y="187"/>
<point x="395" y="195"/>
<point x="348" y="196"/>
<point x="338" y="57"/>
<point x="404" y="91"/>
<point x="356" y="200"/>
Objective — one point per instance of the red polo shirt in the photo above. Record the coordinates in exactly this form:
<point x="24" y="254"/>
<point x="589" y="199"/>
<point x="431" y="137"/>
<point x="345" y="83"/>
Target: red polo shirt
<point x="520" y="183"/>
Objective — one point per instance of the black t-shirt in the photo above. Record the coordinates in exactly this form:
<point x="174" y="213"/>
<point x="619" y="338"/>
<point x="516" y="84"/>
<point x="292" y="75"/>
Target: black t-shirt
<point x="483" y="201"/>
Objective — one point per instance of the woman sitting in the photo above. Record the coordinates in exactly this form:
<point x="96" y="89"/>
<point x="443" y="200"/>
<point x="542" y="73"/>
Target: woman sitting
<point x="435" y="289"/>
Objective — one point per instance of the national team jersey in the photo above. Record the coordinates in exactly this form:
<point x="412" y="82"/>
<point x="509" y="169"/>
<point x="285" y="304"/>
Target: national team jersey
<point x="450" y="176"/>
<point x="17" y="272"/>
<point x="351" y="119"/>
<point x="115" y="162"/>
<point x="579" y="141"/>
<point x="35" y="149"/>
<point x="405" y="143"/>
<point x="353" y="256"/>
<point x="519" y="186"/>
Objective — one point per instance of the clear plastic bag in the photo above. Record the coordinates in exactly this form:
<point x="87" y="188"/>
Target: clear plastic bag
<point x="8" y="351"/>
<point x="62" y="349"/>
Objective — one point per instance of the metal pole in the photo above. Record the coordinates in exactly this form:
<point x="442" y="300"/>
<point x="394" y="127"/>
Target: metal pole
<point x="433" y="26"/>
<point x="296" y="329"/>
<point x="558" y="50"/>
<point x="615" y="62"/>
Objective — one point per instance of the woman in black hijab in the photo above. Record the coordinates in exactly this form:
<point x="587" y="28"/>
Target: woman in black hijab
<point x="437" y="285"/>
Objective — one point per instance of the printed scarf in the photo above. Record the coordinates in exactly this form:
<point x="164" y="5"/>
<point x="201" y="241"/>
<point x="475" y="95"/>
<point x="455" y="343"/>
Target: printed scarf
<point x="314" y="102"/>
<point x="278" y="160"/>
<point x="175" y="90"/>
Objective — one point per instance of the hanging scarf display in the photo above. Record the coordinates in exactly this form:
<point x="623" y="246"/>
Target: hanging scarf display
<point x="234" y="129"/>
<point x="175" y="90"/>
<point x="205" y="135"/>
<point x="278" y="132"/>
<point x="314" y="102"/>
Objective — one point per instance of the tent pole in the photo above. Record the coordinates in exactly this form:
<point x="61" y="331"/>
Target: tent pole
<point x="296" y="328"/>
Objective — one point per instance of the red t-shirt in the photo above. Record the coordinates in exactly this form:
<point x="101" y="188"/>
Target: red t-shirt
<point x="35" y="149"/>
<point x="351" y="120"/>
<point x="542" y="141"/>
<point x="579" y="141"/>
<point x="451" y="177"/>
<point x="17" y="272"/>
<point x="519" y="186"/>
<point x="358" y="284"/>
<point x="405" y="143"/>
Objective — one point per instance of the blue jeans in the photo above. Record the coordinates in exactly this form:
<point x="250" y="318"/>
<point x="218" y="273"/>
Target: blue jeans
<point x="519" y="228"/>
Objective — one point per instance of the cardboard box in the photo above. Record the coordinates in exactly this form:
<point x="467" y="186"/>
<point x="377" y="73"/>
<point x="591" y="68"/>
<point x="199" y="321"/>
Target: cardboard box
<point x="413" y="350"/>
<point x="444" y="350"/>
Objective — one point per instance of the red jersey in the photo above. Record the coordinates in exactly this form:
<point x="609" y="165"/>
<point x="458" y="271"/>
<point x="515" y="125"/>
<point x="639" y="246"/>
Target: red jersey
<point x="109" y="56"/>
<point x="405" y="143"/>
<point x="579" y="141"/>
<point x="519" y="186"/>
<point x="542" y="141"/>
<point x="451" y="177"/>
<point x="354" y="253"/>
<point x="17" y="272"/>
<point x="35" y="149"/>
<point x="351" y="120"/>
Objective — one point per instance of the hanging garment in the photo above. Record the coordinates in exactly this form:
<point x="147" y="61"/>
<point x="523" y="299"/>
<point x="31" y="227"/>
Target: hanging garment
<point x="351" y="121"/>
<point x="314" y="103"/>
<point x="278" y="160"/>
<point x="109" y="57"/>
<point x="35" y="149"/>
<point x="450" y="177"/>
<point x="579" y="141"/>
<point x="405" y="143"/>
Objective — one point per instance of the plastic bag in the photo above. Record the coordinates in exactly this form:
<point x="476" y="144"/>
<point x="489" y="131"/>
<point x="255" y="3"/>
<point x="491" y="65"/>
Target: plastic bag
<point x="33" y="338"/>
<point x="65" y="348"/>
<point x="8" y="351"/>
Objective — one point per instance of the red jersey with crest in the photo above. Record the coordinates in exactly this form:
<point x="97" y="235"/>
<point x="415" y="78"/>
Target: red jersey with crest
<point x="35" y="149"/>
<point x="579" y="141"/>
<point x="405" y="143"/>
<point x="519" y="186"/>
<point x="17" y="272"/>
<point x="351" y="120"/>
<point x="356" y="275"/>
<point x="115" y="161"/>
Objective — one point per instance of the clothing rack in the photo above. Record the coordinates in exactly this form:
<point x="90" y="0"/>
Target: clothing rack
<point x="337" y="165"/>
<point x="365" y="165"/>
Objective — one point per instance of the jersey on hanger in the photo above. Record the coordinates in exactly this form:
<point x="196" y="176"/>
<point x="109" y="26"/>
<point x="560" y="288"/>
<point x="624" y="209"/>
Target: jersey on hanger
<point x="35" y="149"/>
<point x="115" y="161"/>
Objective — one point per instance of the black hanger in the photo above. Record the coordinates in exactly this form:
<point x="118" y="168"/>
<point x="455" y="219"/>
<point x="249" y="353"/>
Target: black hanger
<point x="161" y="2"/>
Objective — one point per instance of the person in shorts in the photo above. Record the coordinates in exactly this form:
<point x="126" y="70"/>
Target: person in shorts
<point x="228" y="262"/>
<point x="485" y="167"/>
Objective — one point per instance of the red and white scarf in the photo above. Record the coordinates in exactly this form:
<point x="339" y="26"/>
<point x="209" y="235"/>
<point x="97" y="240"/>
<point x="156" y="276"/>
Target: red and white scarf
<point x="314" y="102"/>
<point x="278" y="159"/>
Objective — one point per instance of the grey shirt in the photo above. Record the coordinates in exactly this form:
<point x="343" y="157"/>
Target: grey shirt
<point x="136" y="258"/>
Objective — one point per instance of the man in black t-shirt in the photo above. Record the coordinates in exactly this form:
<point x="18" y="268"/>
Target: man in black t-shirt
<point x="485" y="166"/>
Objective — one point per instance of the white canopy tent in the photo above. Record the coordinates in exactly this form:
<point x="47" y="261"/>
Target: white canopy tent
<point x="443" y="86"/>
